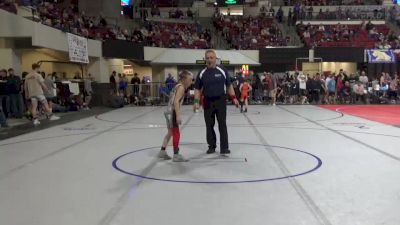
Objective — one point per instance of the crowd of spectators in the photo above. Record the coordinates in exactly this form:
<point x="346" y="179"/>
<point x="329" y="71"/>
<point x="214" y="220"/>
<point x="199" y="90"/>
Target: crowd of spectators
<point x="303" y="12"/>
<point x="331" y="2"/>
<point x="171" y="35"/>
<point x="367" y="35"/>
<point x="58" y="92"/>
<point x="329" y="88"/>
<point x="188" y="34"/>
<point x="243" y="32"/>
<point x="8" y="5"/>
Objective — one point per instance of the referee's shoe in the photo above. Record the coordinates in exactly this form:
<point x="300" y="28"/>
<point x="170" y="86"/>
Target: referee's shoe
<point x="225" y="151"/>
<point x="211" y="150"/>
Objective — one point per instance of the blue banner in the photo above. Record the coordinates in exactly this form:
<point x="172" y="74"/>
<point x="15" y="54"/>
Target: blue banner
<point x="381" y="56"/>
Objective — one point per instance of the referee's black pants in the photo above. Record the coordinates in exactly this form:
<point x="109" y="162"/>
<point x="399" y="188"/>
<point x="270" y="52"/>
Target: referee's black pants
<point x="216" y="107"/>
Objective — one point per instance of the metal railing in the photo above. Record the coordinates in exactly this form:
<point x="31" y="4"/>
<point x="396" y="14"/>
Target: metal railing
<point x="344" y="15"/>
<point x="151" y="93"/>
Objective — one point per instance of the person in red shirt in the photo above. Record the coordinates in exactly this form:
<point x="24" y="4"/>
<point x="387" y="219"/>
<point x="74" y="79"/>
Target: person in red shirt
<point x="245" y="88"/>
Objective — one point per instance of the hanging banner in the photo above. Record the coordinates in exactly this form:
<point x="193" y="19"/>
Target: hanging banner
<point x="381" y="56"/>
<point x="77" y="48"/>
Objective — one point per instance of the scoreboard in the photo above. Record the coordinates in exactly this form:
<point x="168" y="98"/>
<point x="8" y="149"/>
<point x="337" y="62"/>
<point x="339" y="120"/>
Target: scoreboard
<point x="229" y="2"/>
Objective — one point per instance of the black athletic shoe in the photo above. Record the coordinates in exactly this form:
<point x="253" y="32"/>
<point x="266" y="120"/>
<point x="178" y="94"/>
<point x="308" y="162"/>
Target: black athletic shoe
<point x="210" y="150"/>
<point x="225" y="151"/>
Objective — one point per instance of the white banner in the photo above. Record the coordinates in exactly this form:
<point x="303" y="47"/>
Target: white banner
<point x="78" y="48"/>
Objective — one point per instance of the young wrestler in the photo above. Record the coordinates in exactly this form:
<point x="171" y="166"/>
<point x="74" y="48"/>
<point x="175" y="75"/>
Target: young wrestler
<point x="174" y="118"/>
<point x="245" y="88"/>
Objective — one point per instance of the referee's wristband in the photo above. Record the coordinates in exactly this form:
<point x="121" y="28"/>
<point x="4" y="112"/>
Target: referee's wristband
<point x="196" y="101"/>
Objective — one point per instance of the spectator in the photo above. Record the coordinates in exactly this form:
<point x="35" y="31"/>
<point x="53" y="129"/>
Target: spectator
<point x="50" y="92"/>
<point x="314" y="87"/>
<point x="263" y="10"/>
<point x="293" y="90"/>
<point x="271" y="83"/>
<point x="88" y="91"/>
<point x="290" y="17"/>
<point x="4" y="93"/>
<point x="77" y="76"/>
<point x="303" y="79"/>
<point x="170" y="82"/>
<point x="34" y="87"/>
<point x="359" y="92"/>
<point x="123" y="84"/>
<point x="113" y="82"/>
<point x="363" y="79"/>
<point x="15" y="91"/>
<point x="9" y="5"/>
<point x="331" y="86"/>
<point x="369" y="26"/>
<point x="3" y="120"/>
<point x="135" y="81"/>
<point x="279" y="14"/>
<point x="189" y="13"/>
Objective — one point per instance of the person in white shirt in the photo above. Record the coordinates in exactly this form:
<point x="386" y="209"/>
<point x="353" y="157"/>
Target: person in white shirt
<point x="303" y="87"/>
<point x="88" y="91"/>
<point x="306" y="34"/>
<point x="363" y="79"/>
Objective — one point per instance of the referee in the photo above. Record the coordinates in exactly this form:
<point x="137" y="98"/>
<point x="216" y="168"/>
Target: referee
<point x="213" y="82"/>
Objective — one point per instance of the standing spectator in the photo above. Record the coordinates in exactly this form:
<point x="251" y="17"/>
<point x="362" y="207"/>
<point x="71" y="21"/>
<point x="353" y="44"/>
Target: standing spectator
<point x="315" y="89"/>
<point x="113" y="82"/>
<point x="271" y="85"/>
<point x="34" y="86"/>
<point x="263" y="10"/>
<point x="50" y="93"/>
<point x="310" y="13"/>
<point x="363" y="79"/>
<point x="340" y="83"/>
<point x="303" y="87"/>
<point x="258" y="89"/>
<point x="170" y="82"/>
<point x="189" y="13"/>
<point x="393" y="89"/>
<point x="153" y="11"/>
<point x="4" y="93"/>
<point x="15" y="91"/>
<point x="3" y="120"/>
<point x="123" y="84"/>
<point x="135" y="81"/>
<point x="293" y="90"/>
<point x="331" y="86"/>
<point x="279" y="15"/>
<point x="88" y="91"/>
<point x="289" y="19"/>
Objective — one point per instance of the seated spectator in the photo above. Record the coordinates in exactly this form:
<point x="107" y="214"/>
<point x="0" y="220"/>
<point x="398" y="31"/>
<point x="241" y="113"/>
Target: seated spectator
<point x="9" y="5"/>
<point x="260" y="32"/>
